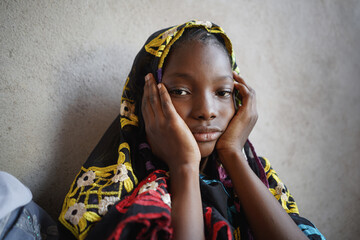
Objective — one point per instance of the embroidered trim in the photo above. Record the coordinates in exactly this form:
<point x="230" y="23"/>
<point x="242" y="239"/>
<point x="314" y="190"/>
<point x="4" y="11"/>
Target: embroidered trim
<point x="89" y="197"/>
<point x="86" y="179"/>
<point x="106" y="203"/>
<point x="75" y="213"/>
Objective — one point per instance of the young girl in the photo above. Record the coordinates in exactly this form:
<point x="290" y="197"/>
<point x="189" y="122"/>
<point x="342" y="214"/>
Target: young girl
<point x="185" y="112"/>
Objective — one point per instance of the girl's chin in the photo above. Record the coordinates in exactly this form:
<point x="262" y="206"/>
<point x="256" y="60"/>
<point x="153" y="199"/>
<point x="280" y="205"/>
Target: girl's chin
<point x="206" y="148"/>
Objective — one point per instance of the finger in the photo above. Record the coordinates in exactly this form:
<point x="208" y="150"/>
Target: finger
<point x="145" y="105"/>
<point x="248" y="96"/>
<point x="166" y="103"/>
<point x="243" y="90"/>
<point x="247" y="112"/>
<point x="154" y="98"/>
<point x="240" y="80"/>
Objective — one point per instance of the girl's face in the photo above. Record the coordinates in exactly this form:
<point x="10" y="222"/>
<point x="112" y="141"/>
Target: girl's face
<point x="199" y="79"/>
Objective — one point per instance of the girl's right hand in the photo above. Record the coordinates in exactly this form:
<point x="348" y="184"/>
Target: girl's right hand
<point x="169" y="137"/>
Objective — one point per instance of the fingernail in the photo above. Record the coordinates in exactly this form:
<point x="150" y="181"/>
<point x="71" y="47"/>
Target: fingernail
<point x="147" y="77"/>
<point x="159" y="85"/>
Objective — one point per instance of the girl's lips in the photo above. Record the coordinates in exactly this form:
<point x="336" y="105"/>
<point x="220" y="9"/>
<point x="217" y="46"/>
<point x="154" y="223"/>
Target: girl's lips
<point x="206" y="133"/>
<point x="206" y="136"/>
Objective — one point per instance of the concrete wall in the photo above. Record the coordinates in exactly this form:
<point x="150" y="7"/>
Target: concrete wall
<point x="63" y="64"/>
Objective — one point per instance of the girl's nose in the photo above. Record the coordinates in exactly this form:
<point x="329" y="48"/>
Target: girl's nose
<point x="204" y="108"/>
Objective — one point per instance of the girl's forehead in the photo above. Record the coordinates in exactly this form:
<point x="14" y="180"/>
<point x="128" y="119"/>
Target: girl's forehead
<point x="194" y="53"/>
<point x="191" y="62"/>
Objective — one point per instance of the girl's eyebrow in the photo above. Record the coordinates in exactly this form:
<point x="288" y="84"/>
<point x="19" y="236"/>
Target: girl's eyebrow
<point x="224" y="78"/>
<point x="182" y="75"/>
<point x="229" y="77"/>
<point x="189" y="77"/>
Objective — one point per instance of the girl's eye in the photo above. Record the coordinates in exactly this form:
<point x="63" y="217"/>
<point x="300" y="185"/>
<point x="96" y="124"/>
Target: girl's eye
<point x="179" y="92"/>
<point x="226" y="93"/>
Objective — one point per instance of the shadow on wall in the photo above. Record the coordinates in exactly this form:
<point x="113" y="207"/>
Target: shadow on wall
<point x="87" y="96"/>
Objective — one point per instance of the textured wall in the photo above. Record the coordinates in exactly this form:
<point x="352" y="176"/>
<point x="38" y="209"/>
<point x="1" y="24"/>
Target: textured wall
<point x="63" y="65"/>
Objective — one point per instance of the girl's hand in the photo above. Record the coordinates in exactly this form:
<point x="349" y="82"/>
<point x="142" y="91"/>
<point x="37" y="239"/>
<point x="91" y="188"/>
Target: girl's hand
<point x="243" y="122"/>
<point x="168" y="135"/>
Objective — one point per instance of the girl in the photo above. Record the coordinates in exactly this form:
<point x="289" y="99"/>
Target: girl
<point x="185" y="112"/>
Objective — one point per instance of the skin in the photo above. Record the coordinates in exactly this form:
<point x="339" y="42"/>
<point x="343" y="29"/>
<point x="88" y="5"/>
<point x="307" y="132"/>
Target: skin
<point x="192" y="113"/>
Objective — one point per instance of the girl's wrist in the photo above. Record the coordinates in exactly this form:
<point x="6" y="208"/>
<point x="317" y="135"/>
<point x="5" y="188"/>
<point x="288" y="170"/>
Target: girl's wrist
<point x="184" y="170"/>
<point x="229" y="158"/>
<point x="230" y="153"/>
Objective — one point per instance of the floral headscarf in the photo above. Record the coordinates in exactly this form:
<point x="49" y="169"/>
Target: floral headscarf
<point x="122" y="171"/>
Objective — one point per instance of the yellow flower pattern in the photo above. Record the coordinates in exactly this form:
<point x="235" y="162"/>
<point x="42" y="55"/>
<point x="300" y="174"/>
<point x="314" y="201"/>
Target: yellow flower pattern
<point x="160" y="45"/>
<point x="279" y="190"/>
<point x="84" y="202"/>
<point x="127" y="113"/>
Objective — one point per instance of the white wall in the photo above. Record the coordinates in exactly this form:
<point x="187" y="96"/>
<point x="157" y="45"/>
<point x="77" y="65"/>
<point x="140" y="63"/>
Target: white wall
<point x="63" y="64"/>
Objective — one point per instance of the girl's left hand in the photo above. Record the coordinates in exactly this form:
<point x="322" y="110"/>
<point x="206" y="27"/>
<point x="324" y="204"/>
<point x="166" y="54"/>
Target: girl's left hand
<point x="239" y="128"/>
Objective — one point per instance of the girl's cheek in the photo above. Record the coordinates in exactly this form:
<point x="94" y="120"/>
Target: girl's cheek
<point x="228" y="111"/>
<point x="180" y="108"/>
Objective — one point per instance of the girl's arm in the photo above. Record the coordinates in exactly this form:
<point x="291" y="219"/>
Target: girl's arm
<point x="268" y="220"/>
<point x="172" y="141"/>
<point x="186" y="207"/>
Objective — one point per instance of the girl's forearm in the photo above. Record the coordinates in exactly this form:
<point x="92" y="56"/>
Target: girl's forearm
<point x="268" y="220"/>
<point x="186" y="212"/>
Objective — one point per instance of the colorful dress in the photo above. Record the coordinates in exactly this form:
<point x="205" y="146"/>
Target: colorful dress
<point x="122" y="190"/>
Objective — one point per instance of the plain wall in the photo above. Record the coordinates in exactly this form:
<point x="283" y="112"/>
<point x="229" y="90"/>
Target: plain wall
<point x="63" y="65"/>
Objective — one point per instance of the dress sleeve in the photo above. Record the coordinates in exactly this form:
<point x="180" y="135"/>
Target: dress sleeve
<point x="282" y="194"/>
<point x="145" y="214"/>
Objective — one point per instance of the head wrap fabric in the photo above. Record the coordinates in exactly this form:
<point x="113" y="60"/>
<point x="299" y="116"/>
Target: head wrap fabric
<point x="115" y="172"/>
<point x="151" y="59"/>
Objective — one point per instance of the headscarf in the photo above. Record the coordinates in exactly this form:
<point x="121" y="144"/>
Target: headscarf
<point x="122" y="170"/>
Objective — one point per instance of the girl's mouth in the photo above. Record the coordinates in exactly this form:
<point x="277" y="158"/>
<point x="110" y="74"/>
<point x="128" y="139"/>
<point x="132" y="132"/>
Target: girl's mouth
<point x="206" y="133"/>
<point x="206" y="136"/>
